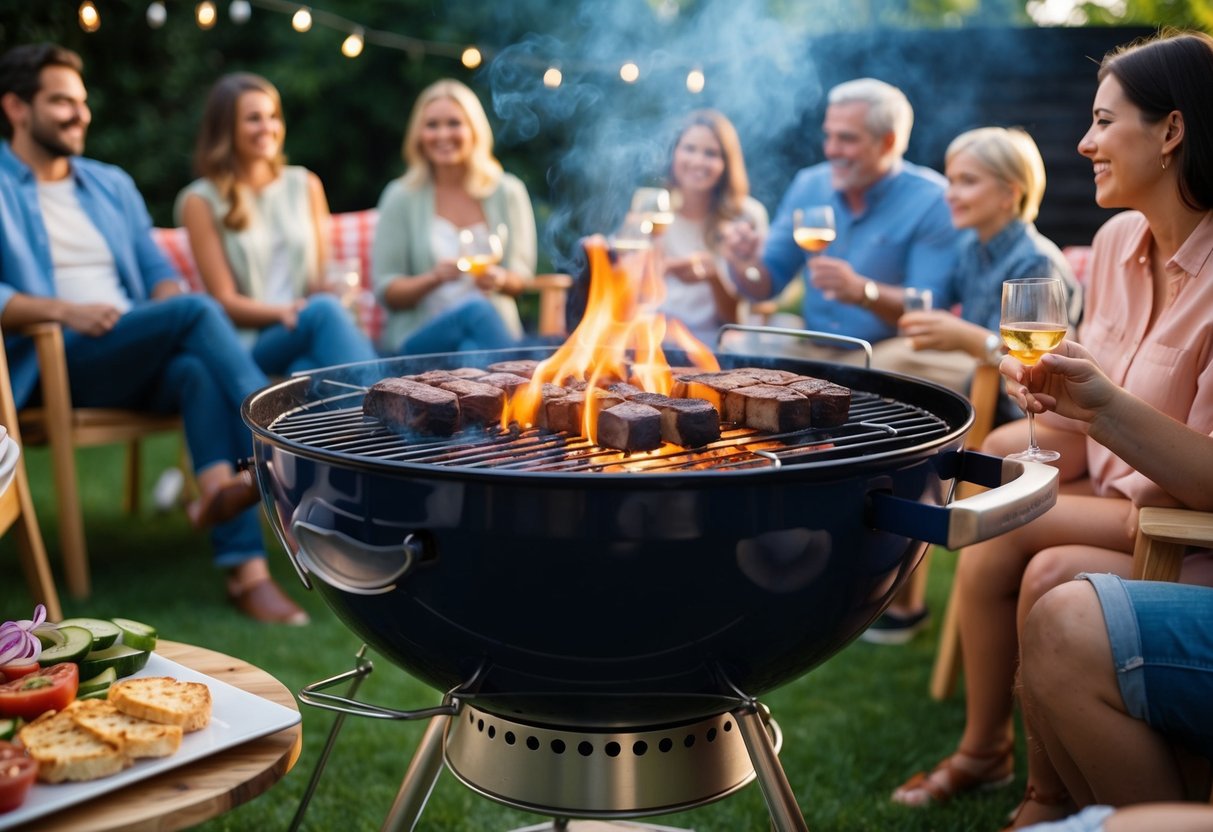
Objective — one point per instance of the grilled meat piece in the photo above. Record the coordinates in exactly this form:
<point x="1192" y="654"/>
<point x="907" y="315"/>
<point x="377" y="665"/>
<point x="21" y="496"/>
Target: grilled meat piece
<point x="711" y="386"/>
<point x="523" y="367"/>
<point x="830" y="402"/>
<point x="506" y="381"/>
<point x="469" y="372"/>
<point x="687" y="422"/>
<point x="770" y="408"/>
<point x="479" y="404"/>
<point x="405" y="405"/>
<point x="566" y="413"/>
<point x="630" y="427"/>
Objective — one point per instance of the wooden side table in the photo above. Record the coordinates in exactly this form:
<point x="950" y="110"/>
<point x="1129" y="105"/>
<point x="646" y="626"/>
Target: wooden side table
<point x="188" y="795"/>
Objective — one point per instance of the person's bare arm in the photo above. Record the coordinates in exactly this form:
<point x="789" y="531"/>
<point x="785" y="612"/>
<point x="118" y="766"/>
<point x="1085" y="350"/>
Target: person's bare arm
<point x="321" y="221"/>
<point x="1170" y="453"/>
<point x="86" y="318"/>
<point x="1150" y="817"/>
<point x="216" y="273"/>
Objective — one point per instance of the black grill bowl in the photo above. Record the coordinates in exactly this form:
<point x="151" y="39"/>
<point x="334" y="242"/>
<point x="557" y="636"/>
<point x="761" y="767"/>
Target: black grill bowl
<point x="609" y="599"/>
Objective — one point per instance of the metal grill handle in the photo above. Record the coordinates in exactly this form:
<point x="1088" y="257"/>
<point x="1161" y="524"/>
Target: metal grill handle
<point x="351" y="565"/>
<point x="806" y="334"/>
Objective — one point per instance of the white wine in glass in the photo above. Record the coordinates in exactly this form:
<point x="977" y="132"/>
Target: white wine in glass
<point x="813" y="228"/>
<point x="655" y="208"/>
<point x="478" y="250"/>
<point x="1033" y="322"/>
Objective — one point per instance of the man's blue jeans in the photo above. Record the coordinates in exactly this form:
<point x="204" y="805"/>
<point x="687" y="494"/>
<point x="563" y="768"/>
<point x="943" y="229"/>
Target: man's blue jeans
<point x="179" y="355"/>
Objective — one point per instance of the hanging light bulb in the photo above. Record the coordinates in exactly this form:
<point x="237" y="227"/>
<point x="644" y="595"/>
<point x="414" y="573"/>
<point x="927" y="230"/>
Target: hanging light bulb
<point x="240" y="11"/>
<point x="695" y="81"/>
<point x="351" y="47"/>
<point x="205" y="14"/>
<point x="90" y="18"/>
<point x="471" y="57"/>
<point x="156" y="14"/>
<point x="629" y="72"/>
<point x="302" y="19"/>
<point x="552" y="78"/>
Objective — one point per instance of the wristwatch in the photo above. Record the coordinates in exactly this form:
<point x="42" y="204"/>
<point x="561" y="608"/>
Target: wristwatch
<point x="993" y="349"/>
<point x="871" y="294"/>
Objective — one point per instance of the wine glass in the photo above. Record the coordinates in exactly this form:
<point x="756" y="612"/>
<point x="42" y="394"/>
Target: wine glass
<point x="654" y="207"/>
<point x="1033" y="323"/>
<point x="479" y="249"/>
<point x="813" y="230"/>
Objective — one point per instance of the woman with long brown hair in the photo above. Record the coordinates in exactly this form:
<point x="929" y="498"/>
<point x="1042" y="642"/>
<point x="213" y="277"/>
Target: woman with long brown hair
<point x="258" y="229"/>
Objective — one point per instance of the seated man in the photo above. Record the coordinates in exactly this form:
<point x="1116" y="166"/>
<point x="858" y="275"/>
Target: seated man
<point x="76" y="249"/>
<point x="892" y="226"/>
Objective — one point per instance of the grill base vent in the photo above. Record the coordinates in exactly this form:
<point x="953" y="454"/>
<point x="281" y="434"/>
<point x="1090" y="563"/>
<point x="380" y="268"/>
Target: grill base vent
<point x="599" y="774"/>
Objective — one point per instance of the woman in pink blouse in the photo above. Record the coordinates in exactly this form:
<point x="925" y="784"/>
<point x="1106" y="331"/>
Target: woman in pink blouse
<point x="1149" y="323"/>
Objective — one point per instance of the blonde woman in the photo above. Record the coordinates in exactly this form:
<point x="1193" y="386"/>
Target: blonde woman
<point x="257" y="228"/>
<point x="453" y="185"/>
<point x="996" y="180"/>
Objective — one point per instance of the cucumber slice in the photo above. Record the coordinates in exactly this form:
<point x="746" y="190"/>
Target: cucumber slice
<point x="123" y="658"/>
<point x="77" y="641"/>
<point x="10" y="727"/>
<point x="48" y="635"/>
<point x="136" y="634"/>
<point x="97" y="694"/>
<point x="99" y="683"/>
<point x="104" y="633"/>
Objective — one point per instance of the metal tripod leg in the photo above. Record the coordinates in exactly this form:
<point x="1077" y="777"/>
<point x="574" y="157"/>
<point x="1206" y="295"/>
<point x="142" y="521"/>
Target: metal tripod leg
<point x="362" y="669"/>
<point x="419" y="780"/>
<point x="776" y="791"/>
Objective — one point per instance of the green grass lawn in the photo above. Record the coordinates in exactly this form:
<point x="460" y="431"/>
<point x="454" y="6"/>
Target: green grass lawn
<point x="853" y="728"/>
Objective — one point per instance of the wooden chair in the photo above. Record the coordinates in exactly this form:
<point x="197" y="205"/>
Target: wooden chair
<point x="1162" y="535"/>
<point x="553" y="292"/>
<point x="17" y="509"/>
<point x="983" y="394"/>
<point x="63" y="428"/>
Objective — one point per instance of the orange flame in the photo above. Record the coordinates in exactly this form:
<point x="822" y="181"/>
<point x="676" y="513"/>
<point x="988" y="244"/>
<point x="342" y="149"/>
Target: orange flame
<point x="619" y="339"/>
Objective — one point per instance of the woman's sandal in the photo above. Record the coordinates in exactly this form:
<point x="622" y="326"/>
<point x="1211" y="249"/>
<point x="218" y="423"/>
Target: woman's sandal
<point x="995" y="769"/>
<point x="1049" y="799"/>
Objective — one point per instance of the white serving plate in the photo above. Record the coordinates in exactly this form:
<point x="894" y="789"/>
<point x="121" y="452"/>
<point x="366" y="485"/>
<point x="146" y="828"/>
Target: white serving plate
<point x="236" y="717"/>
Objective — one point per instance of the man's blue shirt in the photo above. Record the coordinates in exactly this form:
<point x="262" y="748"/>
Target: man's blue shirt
<point x="111" y="201"/>
<point x="904" y="237"/>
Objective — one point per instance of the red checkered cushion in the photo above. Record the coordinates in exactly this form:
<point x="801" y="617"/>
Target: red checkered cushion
<point x="351" y="237"/>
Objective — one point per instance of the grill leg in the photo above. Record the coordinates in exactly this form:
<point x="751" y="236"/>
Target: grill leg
<point x="419" y="780"/>
<point x="776" y="791"/>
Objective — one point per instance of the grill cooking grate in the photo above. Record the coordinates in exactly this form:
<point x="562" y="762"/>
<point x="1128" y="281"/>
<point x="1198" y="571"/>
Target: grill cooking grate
<point x="876" y="425"/>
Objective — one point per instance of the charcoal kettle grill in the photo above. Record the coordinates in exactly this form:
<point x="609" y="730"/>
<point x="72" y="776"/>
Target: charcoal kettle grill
<point x="602" y="624"/>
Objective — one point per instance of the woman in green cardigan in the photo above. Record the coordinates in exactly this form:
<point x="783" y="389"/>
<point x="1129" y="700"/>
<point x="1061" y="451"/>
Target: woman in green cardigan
<point x="453" y="188"/>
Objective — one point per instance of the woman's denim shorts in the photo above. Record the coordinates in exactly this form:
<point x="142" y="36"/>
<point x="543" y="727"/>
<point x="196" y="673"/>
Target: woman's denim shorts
<point x="1162" y="645"/>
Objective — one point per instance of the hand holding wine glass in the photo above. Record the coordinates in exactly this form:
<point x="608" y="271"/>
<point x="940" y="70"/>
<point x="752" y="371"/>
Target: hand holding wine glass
<point x="479" y="251"/>
<point x="1034" y="322"/>
<point x="813" y="230"/>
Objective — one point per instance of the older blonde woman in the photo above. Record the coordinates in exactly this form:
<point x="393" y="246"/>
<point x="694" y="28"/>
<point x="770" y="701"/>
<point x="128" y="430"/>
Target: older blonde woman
<point x="453" y="186"/>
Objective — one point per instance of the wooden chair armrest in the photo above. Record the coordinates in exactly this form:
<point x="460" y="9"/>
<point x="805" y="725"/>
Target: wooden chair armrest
<point x="1162" y="534"/>
<point x="553" y="292"/>
<point x="542" y="282"/>
<point x="983" y="393"/>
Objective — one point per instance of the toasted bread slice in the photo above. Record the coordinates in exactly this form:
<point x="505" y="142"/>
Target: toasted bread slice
<point x="65" y="751"/>
<point x="136" y="737"/>
<point x="163" y="699"/>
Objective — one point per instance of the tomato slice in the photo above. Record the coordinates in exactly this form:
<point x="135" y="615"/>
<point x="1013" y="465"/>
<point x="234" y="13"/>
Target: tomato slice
<point x="50" y="689"/>
<point x="16" y="670"/>
<point x="17" y="773"/>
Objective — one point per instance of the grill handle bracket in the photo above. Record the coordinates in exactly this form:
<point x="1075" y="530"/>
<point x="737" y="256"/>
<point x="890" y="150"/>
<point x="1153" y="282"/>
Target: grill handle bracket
<point x="805" y="334"/>
<point x="311" y="695"/>
<point x="351" y="565"/>
<point x="1019" y="492"/>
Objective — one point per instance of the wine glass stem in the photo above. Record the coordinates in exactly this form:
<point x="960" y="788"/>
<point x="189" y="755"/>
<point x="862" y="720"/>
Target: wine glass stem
<point x="1032" y="446"/>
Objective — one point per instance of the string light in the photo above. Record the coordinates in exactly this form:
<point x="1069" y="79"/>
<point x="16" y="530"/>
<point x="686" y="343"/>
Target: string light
<point x="471" y="57"/>
<point x="695" y="81"/>
<point x="301" y="20"/>
<point x="205" y="14"/>
<point x="90" y="19"/>
<point x="358" y="37"/>
<point x="351" y="47"/>
<point x="156" y="14"/>
<point x="240" y="11"/>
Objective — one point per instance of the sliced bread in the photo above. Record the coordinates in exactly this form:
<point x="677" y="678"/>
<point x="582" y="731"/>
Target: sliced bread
<point x="137" y="737"/>
<point x="163" y="699"/>
<point x="65" y="751"/>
